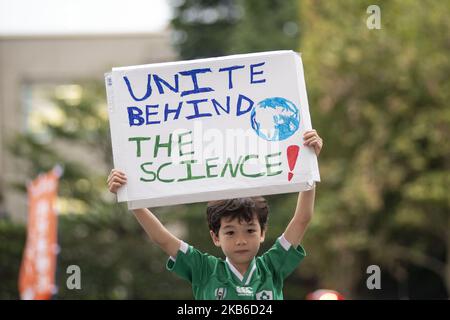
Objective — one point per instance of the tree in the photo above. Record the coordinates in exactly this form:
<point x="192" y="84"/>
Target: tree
<point x="210" y="28"/>
<point x="202" y="28"/>
<point x="266" y="26"/>
<point x="379" y="98"/>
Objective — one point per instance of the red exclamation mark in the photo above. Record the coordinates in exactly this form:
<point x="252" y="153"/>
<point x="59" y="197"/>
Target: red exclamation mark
<point x="292" y="154"/>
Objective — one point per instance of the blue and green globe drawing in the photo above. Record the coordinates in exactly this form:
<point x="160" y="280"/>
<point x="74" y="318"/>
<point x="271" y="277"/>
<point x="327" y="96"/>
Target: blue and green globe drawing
<point x="275" y="119"/>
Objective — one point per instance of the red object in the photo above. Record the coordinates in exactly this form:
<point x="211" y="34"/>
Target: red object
<point x="292" y="154"/>
<point x="325" y="294"/>
<point x="290" y="175"/>
<point x="37" y="272"/>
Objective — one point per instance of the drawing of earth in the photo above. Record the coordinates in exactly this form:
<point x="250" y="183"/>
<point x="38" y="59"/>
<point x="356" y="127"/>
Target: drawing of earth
<point x="275" y="119"/>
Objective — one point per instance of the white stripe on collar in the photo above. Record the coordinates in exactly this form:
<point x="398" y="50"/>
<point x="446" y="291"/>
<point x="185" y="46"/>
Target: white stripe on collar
<point x="284" y="243"/>
<point x="238" y="274"/>
<point x="234" y="270"/>
<point x="250" y="274"/>
<point x="183" y="248"/>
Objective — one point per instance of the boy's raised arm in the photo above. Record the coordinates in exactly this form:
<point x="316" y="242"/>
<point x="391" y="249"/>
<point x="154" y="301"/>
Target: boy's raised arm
<point x="152" y="226"/>
<point x="305" y="204"/>
<point x="157" y="232"/>
<point x="303" y="213"/>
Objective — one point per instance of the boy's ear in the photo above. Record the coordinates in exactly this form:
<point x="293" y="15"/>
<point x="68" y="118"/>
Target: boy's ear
<point x="214" y="238"/>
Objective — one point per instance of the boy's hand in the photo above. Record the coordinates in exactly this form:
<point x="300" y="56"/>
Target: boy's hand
<point x="116" y="180"/>
<point x="312" y="139"/>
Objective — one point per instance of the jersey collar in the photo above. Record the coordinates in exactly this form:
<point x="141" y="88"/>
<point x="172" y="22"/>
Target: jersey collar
<point x="248" y="274"/>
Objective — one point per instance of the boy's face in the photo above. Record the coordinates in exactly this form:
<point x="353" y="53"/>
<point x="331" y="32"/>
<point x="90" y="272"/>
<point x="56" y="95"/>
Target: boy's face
<point x="239" y="240"/>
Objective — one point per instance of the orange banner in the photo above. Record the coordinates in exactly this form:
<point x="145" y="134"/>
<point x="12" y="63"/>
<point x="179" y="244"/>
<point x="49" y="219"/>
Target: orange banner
<point x="37" y="272"/>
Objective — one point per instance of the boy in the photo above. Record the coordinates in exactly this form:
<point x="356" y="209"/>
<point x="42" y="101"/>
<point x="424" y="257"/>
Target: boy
<point x="238" y="227"/>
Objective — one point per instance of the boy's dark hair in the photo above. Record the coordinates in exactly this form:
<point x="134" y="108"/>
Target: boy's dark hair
<point x="241" y="208"/>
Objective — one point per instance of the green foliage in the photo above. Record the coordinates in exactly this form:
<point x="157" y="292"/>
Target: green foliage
<point x="380" y="100"/>
<point x="202" y="28"/>
<point x="116" y="259"/>
<point x="210" y="28"/>
<point x="12" y="241"/>
<point x="265" y="26"/>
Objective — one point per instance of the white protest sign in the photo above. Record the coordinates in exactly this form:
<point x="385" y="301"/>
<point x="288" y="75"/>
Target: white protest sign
<point x="211" y="129"/>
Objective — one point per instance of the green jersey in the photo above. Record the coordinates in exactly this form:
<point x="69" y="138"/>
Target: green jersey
<point x="214" y="278"/>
